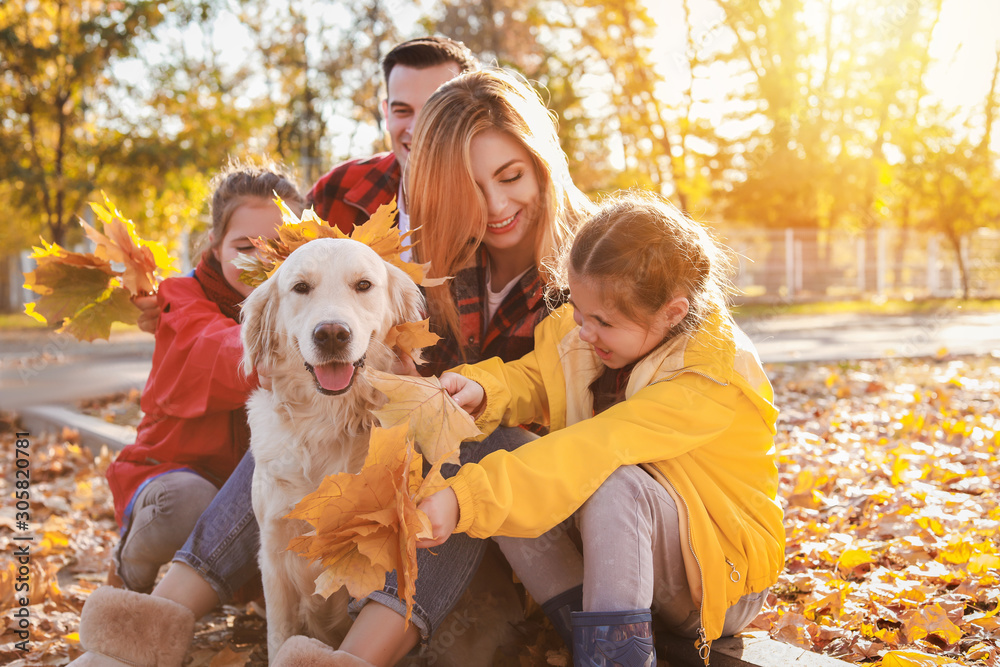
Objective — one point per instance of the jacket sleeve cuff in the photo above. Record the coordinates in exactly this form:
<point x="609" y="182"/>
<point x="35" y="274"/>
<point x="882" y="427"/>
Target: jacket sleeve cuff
<point x="497" y="397"/>
<point x="466" y="503"/>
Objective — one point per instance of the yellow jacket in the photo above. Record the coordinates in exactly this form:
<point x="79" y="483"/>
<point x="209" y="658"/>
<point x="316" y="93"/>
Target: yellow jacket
<point x="698" y="416"/>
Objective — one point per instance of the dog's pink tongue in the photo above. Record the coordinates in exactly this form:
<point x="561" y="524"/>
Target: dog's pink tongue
<point x="334" y="377"/>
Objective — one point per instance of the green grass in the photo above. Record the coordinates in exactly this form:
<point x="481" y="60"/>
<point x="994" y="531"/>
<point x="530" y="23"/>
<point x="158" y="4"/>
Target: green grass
<point x="17" y="321"/>
<point x="867" y="307"/>
<point x="13" y="322"/>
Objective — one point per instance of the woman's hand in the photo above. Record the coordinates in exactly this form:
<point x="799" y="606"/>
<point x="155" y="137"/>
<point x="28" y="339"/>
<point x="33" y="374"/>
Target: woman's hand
<point x="441" y="509"/>
<point x="467" y="393"/>
<point x="149" y="315"/>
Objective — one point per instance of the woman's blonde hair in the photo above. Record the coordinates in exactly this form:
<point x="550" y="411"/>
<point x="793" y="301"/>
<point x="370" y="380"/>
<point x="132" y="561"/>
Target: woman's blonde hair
<point x="643" y="252"/>
<point x="446" y="207"/>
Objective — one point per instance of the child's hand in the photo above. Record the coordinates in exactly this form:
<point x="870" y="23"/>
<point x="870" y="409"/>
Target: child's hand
<point x="468" y="394"/>
<point x="264" y="378"/>
<point x="403" y="364"/>
<point x="149" y="316"/>
<point x="441" y="509"/>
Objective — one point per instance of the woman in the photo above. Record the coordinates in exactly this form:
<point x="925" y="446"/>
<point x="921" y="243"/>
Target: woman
<point x="489" y="188"/>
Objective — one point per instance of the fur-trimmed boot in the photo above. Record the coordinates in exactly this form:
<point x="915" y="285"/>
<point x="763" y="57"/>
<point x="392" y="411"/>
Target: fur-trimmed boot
<point x="120" y="627"/>
<point x="613" y="639"/>
<point x="302" y="651"/>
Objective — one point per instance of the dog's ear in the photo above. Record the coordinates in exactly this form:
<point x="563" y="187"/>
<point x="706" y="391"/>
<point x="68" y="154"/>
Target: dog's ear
<point x="405" y="299"/>
<point x="260" y="325"/>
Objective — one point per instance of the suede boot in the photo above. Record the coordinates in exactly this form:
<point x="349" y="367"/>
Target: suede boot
<point x="120" y="627"/>
<point x="613" y="639"/>
<point x="559" y="610"/>
<point x="302" y="651"/>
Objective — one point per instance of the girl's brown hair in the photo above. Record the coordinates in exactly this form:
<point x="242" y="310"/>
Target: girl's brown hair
<point x="447" y="208"/>
<point x="644" y="252"/>
<point x="241" y="180"/>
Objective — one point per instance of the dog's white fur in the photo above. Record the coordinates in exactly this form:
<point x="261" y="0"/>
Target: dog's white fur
<point x="299" y="435"/>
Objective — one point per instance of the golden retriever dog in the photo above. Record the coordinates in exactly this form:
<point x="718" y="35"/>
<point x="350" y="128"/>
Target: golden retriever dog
<point x="311" y="327"/>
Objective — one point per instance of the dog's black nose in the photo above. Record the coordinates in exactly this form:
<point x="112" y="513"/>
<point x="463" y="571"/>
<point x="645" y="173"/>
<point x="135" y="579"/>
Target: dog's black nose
<point x="331" y="336"/>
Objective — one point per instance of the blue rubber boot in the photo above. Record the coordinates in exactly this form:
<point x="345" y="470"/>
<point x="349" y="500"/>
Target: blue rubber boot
<point x="559" y="610"/>
<point x="613" y="639"/>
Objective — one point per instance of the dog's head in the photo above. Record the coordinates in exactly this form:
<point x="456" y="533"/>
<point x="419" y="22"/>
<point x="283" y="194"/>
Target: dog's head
<point x="329" y="305"/>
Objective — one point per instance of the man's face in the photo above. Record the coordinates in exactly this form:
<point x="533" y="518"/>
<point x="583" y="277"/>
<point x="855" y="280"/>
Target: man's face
<point x="409" y="89"/>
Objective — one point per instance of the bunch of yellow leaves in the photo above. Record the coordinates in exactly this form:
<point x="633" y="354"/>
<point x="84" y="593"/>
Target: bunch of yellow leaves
<point x="366" y="525"/>
<point x="378" y="233"/>
<point x="85" y="292"/>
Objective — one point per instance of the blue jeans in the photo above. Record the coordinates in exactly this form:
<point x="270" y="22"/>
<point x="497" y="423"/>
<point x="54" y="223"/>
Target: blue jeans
<point x="224" y="543"/>
<point x="445" y="572"/>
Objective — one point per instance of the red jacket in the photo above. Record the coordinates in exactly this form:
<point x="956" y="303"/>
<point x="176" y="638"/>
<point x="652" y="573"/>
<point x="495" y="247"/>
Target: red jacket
<point x="193" y="403"/>
<point x="353" y="190"/>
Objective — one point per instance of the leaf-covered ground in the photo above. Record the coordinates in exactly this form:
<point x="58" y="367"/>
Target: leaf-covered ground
<point x="889" y="476"/>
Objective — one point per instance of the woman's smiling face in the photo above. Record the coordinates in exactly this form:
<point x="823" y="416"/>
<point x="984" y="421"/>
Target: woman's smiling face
<point x="506" y="175"/>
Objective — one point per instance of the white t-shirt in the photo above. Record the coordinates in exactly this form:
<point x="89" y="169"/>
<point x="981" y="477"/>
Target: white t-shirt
<point x="494" y="299"/>
<point x="403" y="222"/>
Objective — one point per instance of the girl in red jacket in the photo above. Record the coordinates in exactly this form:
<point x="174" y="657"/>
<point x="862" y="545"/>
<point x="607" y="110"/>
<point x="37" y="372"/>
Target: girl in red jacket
<point x="194" y="431"/>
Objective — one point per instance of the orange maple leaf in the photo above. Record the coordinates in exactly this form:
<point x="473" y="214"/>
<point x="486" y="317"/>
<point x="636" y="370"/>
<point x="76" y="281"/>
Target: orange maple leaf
<point x="410" y="337"/>
<point x="366" y="525"/>
<point x="379" y="233"/>
<point x="120" y="243"/>
<point x="436" y="422"/>
<point x="931" y="620"/>
<point x="83" y="292"/>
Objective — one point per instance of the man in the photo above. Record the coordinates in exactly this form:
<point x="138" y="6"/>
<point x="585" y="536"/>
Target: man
<point x="353" y="190"/>
<point x="413" y="70"/>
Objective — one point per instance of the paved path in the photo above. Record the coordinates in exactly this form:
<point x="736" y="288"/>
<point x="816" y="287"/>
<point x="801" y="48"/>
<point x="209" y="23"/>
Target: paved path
<point x="45" y="368"/>
<point x="837" y="337"/>
<point x="42" y="368"/>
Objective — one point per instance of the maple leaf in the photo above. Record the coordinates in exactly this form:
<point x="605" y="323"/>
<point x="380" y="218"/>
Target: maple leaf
<point x="94" y="320"/>
<point x="931" y="620"/>
<point x="436" y="422"/>
<point x="366" y="525"/>
<point x="83" y="292"/>
<point x="410" y="337"/>
<point x="65" y="288"/>
<point x="379" y="233"/>
<point x="120" y="243"/>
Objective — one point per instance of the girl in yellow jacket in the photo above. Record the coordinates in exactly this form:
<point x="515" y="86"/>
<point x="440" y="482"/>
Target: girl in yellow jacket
<point x="660" y="447"/>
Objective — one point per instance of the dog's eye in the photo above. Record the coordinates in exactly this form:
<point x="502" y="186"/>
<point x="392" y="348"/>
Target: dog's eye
<point x="363" y="285"/>
<point x="302" y="287"/>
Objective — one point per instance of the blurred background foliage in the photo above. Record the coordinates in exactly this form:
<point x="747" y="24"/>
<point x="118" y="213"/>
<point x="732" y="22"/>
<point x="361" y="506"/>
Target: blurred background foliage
<point x="815" y="115"/>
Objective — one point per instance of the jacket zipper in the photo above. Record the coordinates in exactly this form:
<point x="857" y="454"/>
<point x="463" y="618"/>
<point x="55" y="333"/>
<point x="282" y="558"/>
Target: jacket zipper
<point x="702" y="645"/>
<point x="734" y="576"/>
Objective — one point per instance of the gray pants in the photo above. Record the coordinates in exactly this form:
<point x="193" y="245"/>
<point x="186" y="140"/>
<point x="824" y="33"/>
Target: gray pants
<point x="631" y="557"/>
<point x="163" y="515"/>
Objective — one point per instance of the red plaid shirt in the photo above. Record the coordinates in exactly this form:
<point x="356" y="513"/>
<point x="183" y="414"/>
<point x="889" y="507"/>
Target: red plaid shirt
<point x="353" y="190"/>
<point x="509" y="335"/>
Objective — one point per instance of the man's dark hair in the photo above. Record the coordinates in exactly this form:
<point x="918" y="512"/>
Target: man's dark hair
<point x="428" y="52"/>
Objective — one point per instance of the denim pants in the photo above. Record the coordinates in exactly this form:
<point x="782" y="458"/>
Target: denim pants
<point x="224" y="543"/>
